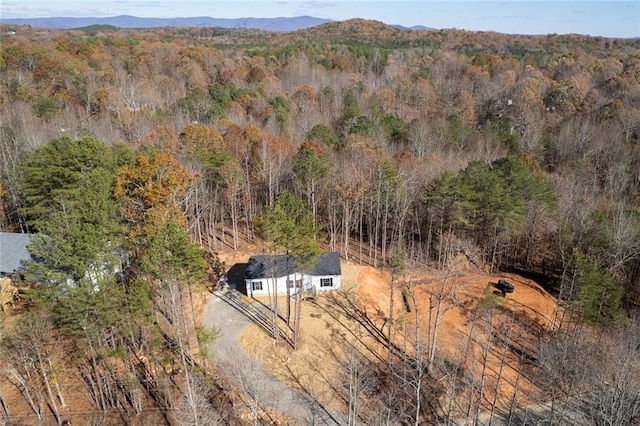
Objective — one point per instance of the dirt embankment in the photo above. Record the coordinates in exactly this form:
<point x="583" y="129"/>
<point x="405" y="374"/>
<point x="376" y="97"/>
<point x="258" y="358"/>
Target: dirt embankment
<point x="478" y="330"/>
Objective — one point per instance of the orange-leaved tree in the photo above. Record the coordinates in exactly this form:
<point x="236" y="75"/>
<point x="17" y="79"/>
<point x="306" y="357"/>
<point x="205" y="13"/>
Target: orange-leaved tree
<point x="149" y="191"/>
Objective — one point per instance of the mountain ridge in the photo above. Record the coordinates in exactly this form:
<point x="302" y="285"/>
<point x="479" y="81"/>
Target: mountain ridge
<point x="279" y="24"/>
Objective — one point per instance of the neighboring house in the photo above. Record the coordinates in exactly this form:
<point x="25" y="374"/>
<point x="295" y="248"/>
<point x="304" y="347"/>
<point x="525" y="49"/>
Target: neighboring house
<point x="323" y="275"/>
<point x="13" y="250"/>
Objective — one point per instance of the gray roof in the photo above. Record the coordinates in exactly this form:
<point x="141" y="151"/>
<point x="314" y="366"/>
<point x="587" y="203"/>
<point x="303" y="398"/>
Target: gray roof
<point x="13" y="249"/>
<point x="263" y="266"/>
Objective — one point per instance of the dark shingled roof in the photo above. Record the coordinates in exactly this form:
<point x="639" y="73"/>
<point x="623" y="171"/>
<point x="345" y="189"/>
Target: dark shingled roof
<point x="262" y="266"/>
<point x="13" y="249"/>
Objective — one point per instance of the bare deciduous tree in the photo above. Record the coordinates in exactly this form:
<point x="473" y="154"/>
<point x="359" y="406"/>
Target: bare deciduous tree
<point x="195" y="408"/>
<point x="614" y="398"/>
<point x="246" y="374"/>
<point x="357" y="382"/>
<point x="566" y="362"/>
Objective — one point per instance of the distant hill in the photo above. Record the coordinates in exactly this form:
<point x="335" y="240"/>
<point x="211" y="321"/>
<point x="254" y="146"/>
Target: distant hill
<point x="363" y="30"/>
<point x="126" y="21"/>
<point x="415" y="27"/>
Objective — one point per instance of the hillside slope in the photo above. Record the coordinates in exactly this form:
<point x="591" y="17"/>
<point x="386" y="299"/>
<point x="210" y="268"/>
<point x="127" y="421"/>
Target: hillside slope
<point x="486" y="342"/>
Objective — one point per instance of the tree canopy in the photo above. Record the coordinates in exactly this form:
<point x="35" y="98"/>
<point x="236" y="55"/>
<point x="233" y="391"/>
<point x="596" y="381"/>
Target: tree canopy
<point x="289" y="225"/>
<point x="67" y="188"/>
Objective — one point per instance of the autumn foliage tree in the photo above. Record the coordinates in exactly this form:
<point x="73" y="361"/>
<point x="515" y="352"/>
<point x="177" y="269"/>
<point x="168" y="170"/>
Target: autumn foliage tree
<point x="149" y="192"/>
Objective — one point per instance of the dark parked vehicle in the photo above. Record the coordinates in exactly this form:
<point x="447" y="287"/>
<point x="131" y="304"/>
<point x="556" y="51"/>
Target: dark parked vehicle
<point x="504" y="287"/>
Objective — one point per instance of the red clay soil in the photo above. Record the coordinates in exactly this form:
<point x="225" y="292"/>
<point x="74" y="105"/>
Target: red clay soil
<point x="516" y="320"/>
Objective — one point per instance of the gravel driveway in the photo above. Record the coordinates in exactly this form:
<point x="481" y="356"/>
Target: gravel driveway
<point x="226" y="310"/>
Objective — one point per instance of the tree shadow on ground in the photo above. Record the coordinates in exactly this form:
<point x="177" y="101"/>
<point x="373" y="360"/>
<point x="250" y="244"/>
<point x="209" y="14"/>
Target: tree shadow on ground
<point x="541" y="415"/>
<point x="255" y="314"/>
<point x="318" y="411"/>
<point x="349" y="308"/>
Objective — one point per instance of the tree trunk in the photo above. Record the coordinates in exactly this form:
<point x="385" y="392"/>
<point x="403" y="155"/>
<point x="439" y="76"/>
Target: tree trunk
<point x="298" y="318"/>
<point x="5" y="407"/>
<point x="46" y="381"/>
<point x="57" y="385"/>
<point x="503" y="356"/>
<point x="96" y="373"/>
<point x="346" y="226"/>
<point x="289" y="294"/>
<point x="390" y="325"/>
<point x="483" y="377"/>
<point x="22" y="386"/>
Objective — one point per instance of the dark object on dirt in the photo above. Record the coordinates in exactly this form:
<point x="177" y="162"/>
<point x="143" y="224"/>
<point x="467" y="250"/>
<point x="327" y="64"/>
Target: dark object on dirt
<point x="504" y="287"/>
<point x="405" y="300"/>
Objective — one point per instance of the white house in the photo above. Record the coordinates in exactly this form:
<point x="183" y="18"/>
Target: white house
<point x="323" y="275"/>
<point x="14" y="251"/>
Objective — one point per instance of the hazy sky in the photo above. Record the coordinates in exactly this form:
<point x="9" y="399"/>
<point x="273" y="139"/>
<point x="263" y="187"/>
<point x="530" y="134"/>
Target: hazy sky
<point x="605" y="18"/>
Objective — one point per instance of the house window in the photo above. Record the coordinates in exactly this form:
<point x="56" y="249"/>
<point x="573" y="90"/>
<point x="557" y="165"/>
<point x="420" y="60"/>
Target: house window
<point x="256" y="285"/>
<point x="298" y="283"/>
<point x="326" y="282"/>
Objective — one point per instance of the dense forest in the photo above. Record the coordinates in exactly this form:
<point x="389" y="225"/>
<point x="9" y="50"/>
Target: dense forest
<point x="134" y="156"/>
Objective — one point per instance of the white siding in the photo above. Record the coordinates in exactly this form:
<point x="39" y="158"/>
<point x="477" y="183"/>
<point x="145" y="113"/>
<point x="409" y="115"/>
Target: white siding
<point x="335" y="282"/>
<point x="281" y="283"/>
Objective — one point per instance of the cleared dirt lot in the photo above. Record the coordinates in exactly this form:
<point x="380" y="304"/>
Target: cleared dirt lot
<point x="478" y="332"/>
